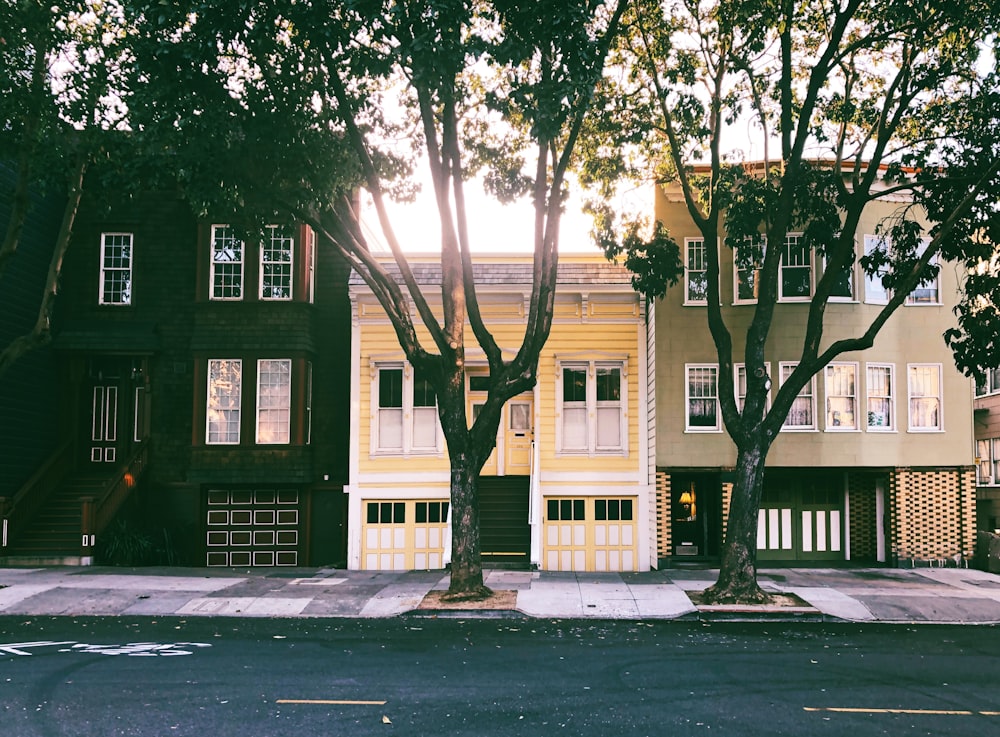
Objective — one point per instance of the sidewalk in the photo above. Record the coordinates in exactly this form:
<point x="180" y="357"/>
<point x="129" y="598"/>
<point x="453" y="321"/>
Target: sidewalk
<point x="926" y="595"/>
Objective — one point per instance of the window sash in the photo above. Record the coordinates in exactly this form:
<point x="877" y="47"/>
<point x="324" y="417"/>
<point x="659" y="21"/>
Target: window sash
<point x="274" y="401"/>
<point x="924" y="385"/>
<point x="591" y="408"/>
<point x="276" y="261"/>
<point x="702" y="397"/>
<point x="841" y="396"/>
<point x="879" y="386"/>
<point x="747" y="261"/>
<point x="227" y="264"/>
<point x="875" y="292"/>
<point x="695" y="272"/>
<point x="406" y="413"/>
<point x="996" y="460"/>
<point x="802" y="414"/>
<point x="222" y="415"/>
<point x="796" y="269"/>
<point x="116" y="269"/>
<point x="928" y="293"/>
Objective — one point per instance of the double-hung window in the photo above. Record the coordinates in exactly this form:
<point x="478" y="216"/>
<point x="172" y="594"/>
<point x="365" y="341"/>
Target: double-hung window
<point x="841" y="396"/>
<point x="796" y="270"/>
<point x="406" y="416"/>
<point x="274" y="400"/>
<point x="592" y="407"/>
<point x="924" y="388"/>
<point x="748" y="259"/>
<point x="929" y="292"/>
<point x="875" y="292"/>
<point x="802" y="415"/>
<point x="116" y="269"/>
<point x="740" y="381"/>
<point x="701" y="394"/>
<point x="227" y="264"/>
<point x="990" y="383"/>
<point x="988" y="461"/>
<point x="880" y="390"/>
<point x="276" y="264"/>
<point x="222" y="416"/>
<point x="695" y="272"/>
<point x="843" y="285"/>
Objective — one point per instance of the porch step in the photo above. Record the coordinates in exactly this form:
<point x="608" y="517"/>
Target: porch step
<point x="53" y="537"/>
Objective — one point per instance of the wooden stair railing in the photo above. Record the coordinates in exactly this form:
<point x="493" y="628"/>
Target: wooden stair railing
<point x="17" y="512"/>
<point x="96" y="514"/>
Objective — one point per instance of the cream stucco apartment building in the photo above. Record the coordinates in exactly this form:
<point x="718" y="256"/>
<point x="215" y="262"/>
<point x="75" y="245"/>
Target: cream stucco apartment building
<point x="874" y="463"/>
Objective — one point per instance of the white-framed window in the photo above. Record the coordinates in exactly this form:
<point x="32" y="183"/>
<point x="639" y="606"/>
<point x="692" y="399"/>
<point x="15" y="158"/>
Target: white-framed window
<point x="276" y="264"/>
<point x="843" y="286"/>
<point x="841" y="390"/>
<point x="802" y="415"/>
<point x="222" y="412"/>
<point x="274" y="400"/>
<point x="923" y="381"/>
<point x="695" y="272"/>
<point x="227" y="264"/>
<point x="740" y="385"/>
<point x="701" y="396"/>
<point x="928" y="293"/>
<point x="747" y="261"/>
<point x="116" y="269"/>
<point x="406" y="417"/>
<point x="881" y="395"/>
<point x="796" y="282"/>
<point x="990" y="383"/>
<point x="875" y="292"/>
<point x="988" y="461"/>
<point x="592" y="406"/>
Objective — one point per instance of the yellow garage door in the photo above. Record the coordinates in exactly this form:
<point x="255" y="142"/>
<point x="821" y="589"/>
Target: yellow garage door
<point x="589" y="534"/>
<point x="403" y="535"/>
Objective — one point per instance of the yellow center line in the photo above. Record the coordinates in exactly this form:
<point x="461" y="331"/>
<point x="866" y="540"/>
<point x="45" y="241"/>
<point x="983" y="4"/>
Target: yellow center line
<point x="932" y="712"/>
<point x="338" y="702"/>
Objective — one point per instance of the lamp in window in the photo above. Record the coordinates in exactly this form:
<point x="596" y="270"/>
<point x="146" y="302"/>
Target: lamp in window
<point x="687" y="501"/>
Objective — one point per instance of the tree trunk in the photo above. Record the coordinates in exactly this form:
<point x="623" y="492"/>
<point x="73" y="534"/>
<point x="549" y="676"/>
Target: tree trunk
<point x="737" y="582"/>
<point x="466" y="554"/>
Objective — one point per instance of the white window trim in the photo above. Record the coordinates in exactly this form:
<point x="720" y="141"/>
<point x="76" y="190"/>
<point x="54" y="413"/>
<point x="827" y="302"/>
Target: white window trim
<point x="591" y="406"/>
<point x="827" y="426"/>
<point x="104" y="269"/>
<point x="910" y="397"/>
<point x="717" y="428"/>
<point x="812" y="399"/>
<point x="212" y="264"/>
<point x="737" y="367"/>
<point x="736" y="274"/>
<point x="781" y="272"/>
<point x="270" y="233"/>
<point x="408" y="448"/>
<point x="288" y="407"/>
<point x="989" y="459"/>
<point x="208" y="398"/>
<point x="892" y="426"/>
<point x="854" y="284"/>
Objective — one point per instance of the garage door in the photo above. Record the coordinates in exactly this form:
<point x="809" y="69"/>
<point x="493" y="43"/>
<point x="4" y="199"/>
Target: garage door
<point x="258" y="527"/>
<point x="403" y="535"/>
<point x="589" y="534"/>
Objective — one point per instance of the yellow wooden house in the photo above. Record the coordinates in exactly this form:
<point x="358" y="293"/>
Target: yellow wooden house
<point x="571" y="483"/>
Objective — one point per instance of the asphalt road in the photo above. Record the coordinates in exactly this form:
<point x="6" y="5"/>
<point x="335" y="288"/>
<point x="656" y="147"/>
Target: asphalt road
<point x="217" y="677"/>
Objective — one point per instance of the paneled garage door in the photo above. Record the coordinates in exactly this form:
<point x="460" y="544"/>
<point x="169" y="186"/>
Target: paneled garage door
<point x="258" y="527"/>
<point x="587" y="534"/>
